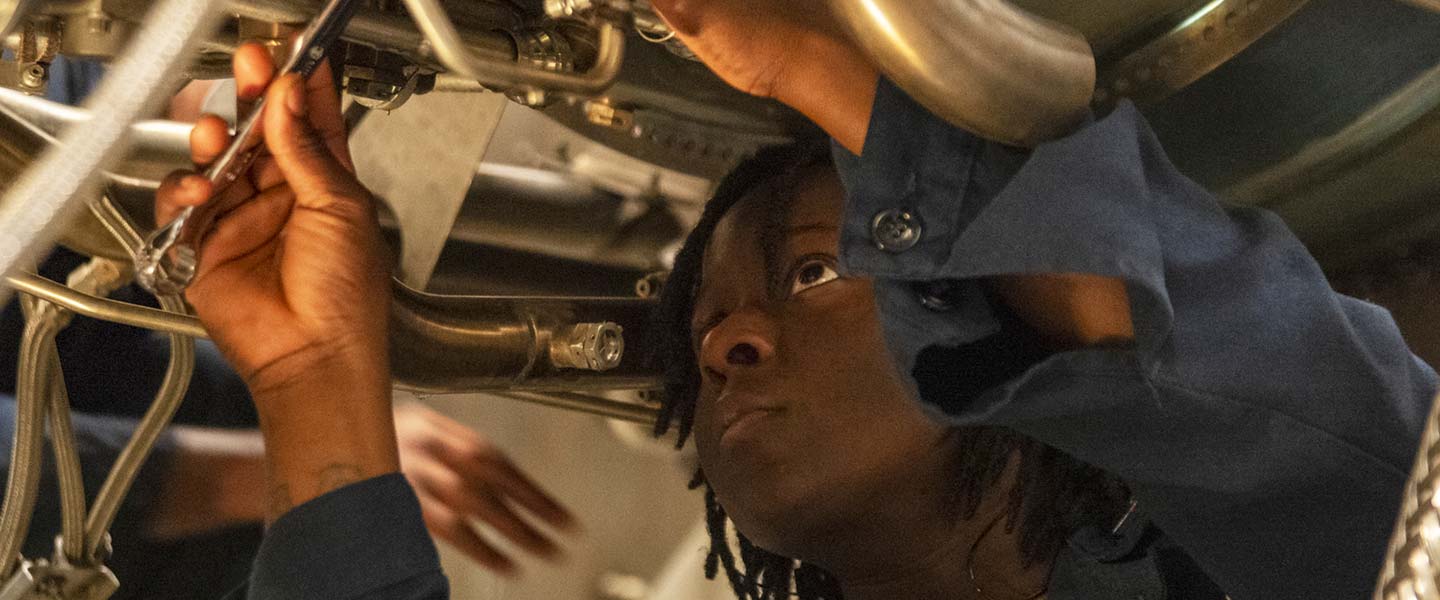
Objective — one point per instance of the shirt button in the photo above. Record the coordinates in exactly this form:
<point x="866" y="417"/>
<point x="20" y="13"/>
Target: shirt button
<point x="896" y="230"/>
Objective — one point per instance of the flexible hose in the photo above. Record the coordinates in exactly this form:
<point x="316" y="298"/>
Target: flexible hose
<point x="67" y="460"/>
<point x="26" y="446"/>
<point x="1412" y="566"/>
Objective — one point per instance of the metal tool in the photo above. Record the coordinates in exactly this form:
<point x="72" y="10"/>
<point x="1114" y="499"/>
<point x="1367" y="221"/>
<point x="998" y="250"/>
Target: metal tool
<point x="166" y="263"/>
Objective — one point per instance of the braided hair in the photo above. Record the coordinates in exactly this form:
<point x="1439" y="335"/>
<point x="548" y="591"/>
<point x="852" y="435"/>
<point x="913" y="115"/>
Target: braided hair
<point x="1052" y="496"/>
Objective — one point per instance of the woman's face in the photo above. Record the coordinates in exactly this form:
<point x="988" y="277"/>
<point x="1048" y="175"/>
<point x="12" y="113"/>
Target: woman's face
<point x="803" y="426"/>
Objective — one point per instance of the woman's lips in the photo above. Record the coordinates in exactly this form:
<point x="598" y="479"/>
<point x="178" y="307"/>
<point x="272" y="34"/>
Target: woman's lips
<point x="740" y="413"/>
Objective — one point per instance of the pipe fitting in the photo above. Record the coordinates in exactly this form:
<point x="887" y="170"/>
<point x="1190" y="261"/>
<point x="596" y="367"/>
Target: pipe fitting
<point x="589" y="346"/>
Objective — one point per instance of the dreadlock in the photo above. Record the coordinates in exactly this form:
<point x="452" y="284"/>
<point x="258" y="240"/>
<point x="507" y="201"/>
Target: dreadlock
<point x="1053" y="493"/>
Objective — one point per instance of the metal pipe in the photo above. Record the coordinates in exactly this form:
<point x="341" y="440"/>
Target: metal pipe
<point x="452" y="344"/>
<point x="594" y="405"/>
<point x="983" y="65"/>
<point x="106" y="309"/>
<point x="36" y="205"/>
<point x="450" y="49"/>
<point x="28" y="126"/>
<point x="441" y="344"/>
<point x="388" y="31"/>
<point x="147" y="432"/>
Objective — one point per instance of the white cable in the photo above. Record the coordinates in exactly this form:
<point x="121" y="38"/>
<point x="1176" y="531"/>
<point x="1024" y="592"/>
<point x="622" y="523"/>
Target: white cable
<point x="34" y="209"/>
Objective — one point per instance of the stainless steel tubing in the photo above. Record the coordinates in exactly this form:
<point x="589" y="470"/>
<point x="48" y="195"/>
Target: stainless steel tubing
<point x="147" y="432"/>
<point x="35" y="207"/>
<point x="31" y="383"/>
<point x="1412" y="565"/>
<point x="450" y="49"/>
<point x="382" y="30"/>
<point x="594" y="405"/>
<point x="453" y="344"/>
<point x="106" y="309"/>
<point x="983" y="65"/>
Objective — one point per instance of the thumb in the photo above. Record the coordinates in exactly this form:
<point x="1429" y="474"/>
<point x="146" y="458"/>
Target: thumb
<point x="301" y="153"/>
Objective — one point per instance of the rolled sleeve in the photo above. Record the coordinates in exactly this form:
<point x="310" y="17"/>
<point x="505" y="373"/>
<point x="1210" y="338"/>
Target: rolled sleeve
<point x="1251" y="389"/>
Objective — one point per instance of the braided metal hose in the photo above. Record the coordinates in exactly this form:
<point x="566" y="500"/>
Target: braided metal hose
<point x="25" y="452"/>
<point x="1412" y="566"/>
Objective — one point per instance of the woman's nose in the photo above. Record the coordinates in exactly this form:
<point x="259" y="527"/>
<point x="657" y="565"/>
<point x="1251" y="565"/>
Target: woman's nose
<point x="740" y="341"/>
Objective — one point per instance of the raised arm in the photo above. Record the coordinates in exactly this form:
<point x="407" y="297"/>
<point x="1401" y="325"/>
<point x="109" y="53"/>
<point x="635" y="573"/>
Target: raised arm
<point x="1263" y="422"/>
<point x="292" y="285"/>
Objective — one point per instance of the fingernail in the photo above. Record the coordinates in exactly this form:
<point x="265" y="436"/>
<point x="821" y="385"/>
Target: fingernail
<point x="295" y="97"/>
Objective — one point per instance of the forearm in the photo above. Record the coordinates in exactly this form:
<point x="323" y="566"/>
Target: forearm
<point x="834" y="87"/>
<point x="325" y="426"/>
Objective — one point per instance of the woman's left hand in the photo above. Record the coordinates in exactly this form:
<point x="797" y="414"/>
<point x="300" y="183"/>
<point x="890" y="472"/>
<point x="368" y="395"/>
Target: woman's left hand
<point x="461" y="477"/>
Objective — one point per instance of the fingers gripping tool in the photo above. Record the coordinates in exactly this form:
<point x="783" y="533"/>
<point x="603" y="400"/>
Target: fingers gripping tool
<point x="166" y="262"/>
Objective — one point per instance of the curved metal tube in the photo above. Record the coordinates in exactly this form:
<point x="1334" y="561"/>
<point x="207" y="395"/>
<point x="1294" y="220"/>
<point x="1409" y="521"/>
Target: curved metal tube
<point x="452" y="344"/>
<point x="983" y="65"/>
<point x="593" y="405"/>
<point x="105" y="309"/>
<point x="1197" y="45"/>
<point x="147" y="432"/>
<point x="383" y="30"/>
<point x="451" y="51"/>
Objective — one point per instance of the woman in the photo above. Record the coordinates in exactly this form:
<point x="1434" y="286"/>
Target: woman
<point x="1082" y="304"/>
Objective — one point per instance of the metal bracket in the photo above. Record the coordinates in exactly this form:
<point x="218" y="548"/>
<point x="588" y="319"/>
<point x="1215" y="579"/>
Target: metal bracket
<point x="59" y="579"/>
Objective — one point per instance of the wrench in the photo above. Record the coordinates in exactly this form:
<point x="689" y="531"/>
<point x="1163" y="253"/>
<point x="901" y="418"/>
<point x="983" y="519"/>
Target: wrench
<point x="165" y="264"/>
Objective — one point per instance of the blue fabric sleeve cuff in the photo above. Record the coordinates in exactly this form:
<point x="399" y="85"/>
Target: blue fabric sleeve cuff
<point x="348" y="543"/>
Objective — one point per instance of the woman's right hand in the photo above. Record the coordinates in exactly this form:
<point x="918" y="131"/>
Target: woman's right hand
<point x="293" y="285"/>
<point x="792" y="51"/>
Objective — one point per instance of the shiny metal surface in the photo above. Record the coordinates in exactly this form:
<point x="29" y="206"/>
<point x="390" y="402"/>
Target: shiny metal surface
<point x="1196" y="45"/>
<point x="1324" y="157"/>
<point x="35" y="207"/>
<point x="10" y="13"/>
<point x="588" y="346"/>
<point x="166" y="262"/>
<point x="106" y="309"/>
<point x="594" y="405"/>
<point x="395" y="32"/>
<point x="981" y="64"/>
<point x="421" y="165"/>
<point x="451" y="344"/>
<point x="450" y="49"/>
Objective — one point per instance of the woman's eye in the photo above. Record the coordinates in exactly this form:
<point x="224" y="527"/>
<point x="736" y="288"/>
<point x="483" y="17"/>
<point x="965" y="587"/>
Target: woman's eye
<point x="810" y="274"/>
